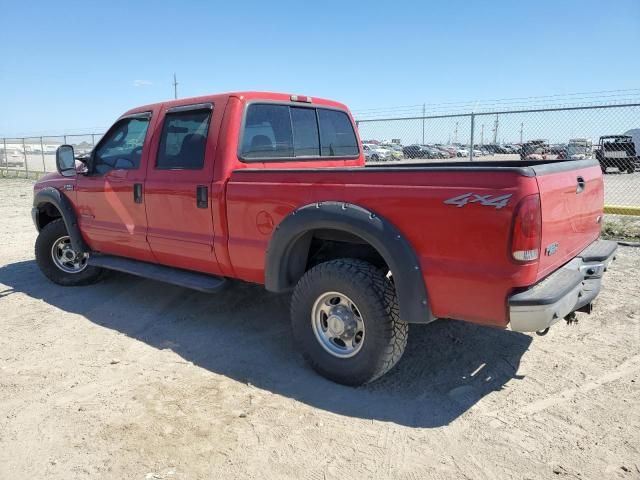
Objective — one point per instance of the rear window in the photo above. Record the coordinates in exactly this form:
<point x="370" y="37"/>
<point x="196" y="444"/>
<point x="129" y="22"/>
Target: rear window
<point x="336" y="134"/>
<point x="283" y="132"/>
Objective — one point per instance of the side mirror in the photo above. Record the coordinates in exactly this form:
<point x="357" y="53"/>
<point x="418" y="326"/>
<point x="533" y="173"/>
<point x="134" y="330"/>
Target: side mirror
<point x="65" y="161"/>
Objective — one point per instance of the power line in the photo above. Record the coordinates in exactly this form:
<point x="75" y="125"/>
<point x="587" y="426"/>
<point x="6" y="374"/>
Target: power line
<point x="502" y="100"/>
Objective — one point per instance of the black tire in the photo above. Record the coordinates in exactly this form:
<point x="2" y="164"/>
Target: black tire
<point x="44" y="243"/>
<point x="374" y="158"/>
<point x="631" y="168"/>
<point x="385" y="335"/>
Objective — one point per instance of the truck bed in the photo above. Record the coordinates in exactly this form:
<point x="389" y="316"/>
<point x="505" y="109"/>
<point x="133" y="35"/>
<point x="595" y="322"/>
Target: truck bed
<point x="463" y="250"/>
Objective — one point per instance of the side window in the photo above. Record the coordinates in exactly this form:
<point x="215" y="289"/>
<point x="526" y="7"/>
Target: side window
<point x="337" y="137"/>
<point x="183" y="140"/>
<point x="305" y="132"/>
<point x="267" y="132"/>
<point x="122" y="146"/>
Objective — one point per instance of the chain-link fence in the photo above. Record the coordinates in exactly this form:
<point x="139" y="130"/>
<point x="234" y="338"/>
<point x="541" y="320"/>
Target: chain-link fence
<point x="608" y="133"/>
<point x="33" y="156"/>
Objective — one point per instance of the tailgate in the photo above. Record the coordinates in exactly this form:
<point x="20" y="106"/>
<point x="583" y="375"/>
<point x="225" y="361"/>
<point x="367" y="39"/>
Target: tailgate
<point x="572" y="201"/>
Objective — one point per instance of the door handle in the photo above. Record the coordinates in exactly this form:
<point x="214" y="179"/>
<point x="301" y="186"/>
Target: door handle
<point x="202" y="196"/>
<point x="581" y="185"/>
<point x="137" y="192"/>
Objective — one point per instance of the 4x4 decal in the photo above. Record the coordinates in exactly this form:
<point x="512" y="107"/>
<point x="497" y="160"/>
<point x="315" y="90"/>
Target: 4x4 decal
<point x="497" y="201"/>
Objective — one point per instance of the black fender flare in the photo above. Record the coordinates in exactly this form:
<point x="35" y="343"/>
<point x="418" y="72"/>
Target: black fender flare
<point x="64" y="206"/>
<point x="288" y="248"/>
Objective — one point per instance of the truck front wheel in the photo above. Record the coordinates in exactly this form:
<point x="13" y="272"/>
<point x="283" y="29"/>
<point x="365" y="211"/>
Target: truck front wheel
<point x="345" y="318"/>
<point x="59" y="262"/>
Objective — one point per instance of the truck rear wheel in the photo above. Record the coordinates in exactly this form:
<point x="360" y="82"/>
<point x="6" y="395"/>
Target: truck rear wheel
<point x="59" y="262"/>
<point x="345" y="318"/>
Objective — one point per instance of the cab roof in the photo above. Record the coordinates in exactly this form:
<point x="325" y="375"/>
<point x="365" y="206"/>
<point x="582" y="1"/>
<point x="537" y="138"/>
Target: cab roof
<point x="244" y="96"/>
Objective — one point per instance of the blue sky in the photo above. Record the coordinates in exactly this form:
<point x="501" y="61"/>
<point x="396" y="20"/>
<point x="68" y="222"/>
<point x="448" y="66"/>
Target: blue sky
<point x="69" y="66"/>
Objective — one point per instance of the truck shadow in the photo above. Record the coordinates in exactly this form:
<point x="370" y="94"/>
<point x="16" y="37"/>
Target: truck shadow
<point x="243" y="333"/>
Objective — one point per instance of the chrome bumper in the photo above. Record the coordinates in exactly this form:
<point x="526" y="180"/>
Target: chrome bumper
<point x="570" y="288"/>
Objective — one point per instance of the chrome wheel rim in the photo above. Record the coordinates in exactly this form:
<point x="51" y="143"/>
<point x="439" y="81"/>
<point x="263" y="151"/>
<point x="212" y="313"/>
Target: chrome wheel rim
<point x="338" y="324"/>
<point x="66" y="258"/>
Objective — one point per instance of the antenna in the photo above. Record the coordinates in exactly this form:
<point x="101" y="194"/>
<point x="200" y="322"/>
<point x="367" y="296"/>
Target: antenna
<point x="175" y="87"/>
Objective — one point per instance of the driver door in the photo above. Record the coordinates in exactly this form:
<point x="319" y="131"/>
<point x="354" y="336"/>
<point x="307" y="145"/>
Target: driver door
<point x="110" y="201"/>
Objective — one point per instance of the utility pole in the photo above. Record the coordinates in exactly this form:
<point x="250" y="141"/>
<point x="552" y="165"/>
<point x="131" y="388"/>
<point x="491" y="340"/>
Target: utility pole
<point x="424" y="106"/>
<point x="455" y="134"/>
<point x="175" y="87"/>
<point x="521" y="130"/>
<point x="482" y="134"/>
<point x="495" y="131"/>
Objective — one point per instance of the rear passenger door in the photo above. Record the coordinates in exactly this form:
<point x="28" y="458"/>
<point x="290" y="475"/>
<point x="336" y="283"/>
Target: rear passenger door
<point x="177" y="189"/>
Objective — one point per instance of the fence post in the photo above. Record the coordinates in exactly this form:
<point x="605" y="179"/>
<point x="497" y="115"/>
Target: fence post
<point x="93" y="138"/>
<point x="6" y="156"/>
<point x="424" y="106"/>
<point x="26" y="162"/>
<point x="44" y="166"/>
<point x="473" y="122"/>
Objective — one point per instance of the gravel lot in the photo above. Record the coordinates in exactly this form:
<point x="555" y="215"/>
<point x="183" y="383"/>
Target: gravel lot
<point x="136" y="379"/>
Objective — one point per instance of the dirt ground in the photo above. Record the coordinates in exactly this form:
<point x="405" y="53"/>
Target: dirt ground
<point x="134" y="379"/>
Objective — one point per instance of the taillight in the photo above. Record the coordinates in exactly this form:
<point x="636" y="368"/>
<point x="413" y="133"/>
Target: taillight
<point x="527" y="226"/>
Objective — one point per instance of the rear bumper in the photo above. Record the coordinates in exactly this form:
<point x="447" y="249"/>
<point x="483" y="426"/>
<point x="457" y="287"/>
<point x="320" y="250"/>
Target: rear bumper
<point x="570" y="288"/>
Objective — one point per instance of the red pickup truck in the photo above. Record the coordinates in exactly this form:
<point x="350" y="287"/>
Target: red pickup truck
<point x="272" y="188"/>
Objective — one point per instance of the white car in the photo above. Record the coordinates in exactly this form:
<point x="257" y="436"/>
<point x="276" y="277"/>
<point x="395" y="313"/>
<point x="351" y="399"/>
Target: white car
<point x="15" y="159"/>
<point x="462" y="152"/>
<point x="374" y="153"/>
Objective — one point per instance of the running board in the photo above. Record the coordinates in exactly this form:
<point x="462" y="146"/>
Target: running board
<point x="176" y="276"/>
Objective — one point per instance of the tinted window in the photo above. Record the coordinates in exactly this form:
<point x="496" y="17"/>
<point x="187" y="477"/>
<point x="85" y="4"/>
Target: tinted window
<point x="183" y="140"/>
<point x="305" y="132"/>
<point x="337" y="137"/>
<point x="280" y="131"/>
<point x="267" y="132"/>
<point x="122" y="146"/>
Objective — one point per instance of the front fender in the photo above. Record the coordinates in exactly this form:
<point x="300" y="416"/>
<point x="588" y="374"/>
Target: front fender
<point x="64" y="206"/>
<point x="286" y="255"/>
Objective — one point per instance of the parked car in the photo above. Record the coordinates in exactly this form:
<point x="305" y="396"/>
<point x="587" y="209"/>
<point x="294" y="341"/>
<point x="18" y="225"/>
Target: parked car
<point x="617" y="151"/>
<point x="534" y="150"/>
<point x="14" y="159"/>
<point x="435" y="153"/>
<point x="449" y="149"/>
<point x="215" y="188"/>
<point x="462" y="152"/>
<point x="415" y="151"/>
<point x="494" y="148"/>
<point x="579" y="149"/>
<point x="375" y="153"/>
<point x="394" y="150"/>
